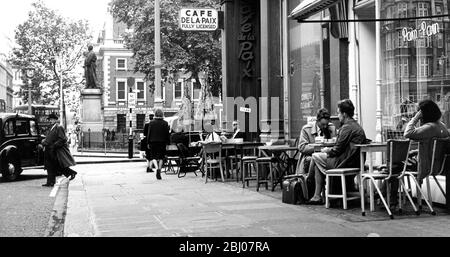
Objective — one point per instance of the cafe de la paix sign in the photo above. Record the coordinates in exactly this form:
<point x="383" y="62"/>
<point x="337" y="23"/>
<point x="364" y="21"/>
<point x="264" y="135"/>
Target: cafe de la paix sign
<point x="199" y="19"/>
<point x="424" y="30"/>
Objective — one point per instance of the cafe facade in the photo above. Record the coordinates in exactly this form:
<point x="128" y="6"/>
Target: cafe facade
<point x="396" y="54"/>
<point x="309" y="54"/>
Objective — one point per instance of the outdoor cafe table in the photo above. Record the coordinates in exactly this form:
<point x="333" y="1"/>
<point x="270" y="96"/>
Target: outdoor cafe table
<point x="369" y="149"/>
<point x="239" y="147"/>
<point x="276" y="151"/>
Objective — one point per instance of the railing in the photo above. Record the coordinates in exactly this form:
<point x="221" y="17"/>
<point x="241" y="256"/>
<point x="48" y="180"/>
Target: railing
<point x="108" y="142"/>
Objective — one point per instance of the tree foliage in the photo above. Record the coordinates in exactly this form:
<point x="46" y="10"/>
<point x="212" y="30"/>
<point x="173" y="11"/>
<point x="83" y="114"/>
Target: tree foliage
<point x="47" y="36"/>
<point x="190" y="51"/>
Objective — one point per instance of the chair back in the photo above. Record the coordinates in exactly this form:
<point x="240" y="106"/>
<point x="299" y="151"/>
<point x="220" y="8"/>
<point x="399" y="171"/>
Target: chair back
<point x="212" y="147"/>
<point x="397" y="155"/>
<point x="183" y="150"/>
<point x="440" y="156"/>
<point x="212" y="150"/>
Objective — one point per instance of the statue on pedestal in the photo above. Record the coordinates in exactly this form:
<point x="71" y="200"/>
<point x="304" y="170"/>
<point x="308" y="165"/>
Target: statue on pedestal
<point x="90" y="68"/>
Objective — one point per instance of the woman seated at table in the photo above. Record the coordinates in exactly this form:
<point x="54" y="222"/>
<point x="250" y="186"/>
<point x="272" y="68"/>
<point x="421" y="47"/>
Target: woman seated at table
<point x="343" y="153"/>
<point x="322" y="127"/>
<point x="424" y="127"/>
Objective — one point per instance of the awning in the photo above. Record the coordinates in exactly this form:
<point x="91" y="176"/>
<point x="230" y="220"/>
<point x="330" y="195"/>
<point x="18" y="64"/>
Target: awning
<point x="310" y="7"/>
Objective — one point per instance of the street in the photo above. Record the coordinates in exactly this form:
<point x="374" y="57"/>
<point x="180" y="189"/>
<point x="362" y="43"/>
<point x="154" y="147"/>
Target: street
<point x="25" y="205"/>
<point x="121" y="199"/>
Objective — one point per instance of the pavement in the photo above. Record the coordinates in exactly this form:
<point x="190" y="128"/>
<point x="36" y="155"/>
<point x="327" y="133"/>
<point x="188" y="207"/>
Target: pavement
<point x="121" y="199"/>
<point x="108" y="157"/>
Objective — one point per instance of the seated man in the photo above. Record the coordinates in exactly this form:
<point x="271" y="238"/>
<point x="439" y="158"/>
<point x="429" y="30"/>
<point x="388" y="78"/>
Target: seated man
<point x="321" y="127"/>
<point x="237" y="133"/>
<point x="178" y="136"/>
<point x="343" y="154"/>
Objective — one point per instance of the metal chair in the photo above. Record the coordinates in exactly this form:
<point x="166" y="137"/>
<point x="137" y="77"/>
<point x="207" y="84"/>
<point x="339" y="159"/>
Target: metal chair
<point x="212" y="157"/>
<point x="397" y="154"/>
<point x="440" y="161"/>
<point x="187" y="161"/>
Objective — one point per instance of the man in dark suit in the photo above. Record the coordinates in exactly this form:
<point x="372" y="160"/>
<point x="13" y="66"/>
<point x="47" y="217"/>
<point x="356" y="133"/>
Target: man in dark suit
<point x="144" y="144"/>
<point x="57" y="153"/>
<point x="158" y="137"/>
<point x="237" y="133"/>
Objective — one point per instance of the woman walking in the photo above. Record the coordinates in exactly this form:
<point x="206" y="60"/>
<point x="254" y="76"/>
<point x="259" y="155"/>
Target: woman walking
<point x="158" y="138"/>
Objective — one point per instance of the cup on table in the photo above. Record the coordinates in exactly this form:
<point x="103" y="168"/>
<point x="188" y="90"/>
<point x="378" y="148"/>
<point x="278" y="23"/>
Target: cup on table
<point x="319" y="140"/>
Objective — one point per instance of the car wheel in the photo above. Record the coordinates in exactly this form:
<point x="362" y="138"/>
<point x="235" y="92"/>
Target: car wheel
<point x="11" y="169"/>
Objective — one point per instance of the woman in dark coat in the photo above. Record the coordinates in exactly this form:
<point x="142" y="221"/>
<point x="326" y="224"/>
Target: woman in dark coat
<point x="57" y="153"/>
<point x="158" y="138"/>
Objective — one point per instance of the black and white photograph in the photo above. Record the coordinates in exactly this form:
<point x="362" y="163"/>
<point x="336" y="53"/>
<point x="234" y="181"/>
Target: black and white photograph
<point x="223" y="126"/>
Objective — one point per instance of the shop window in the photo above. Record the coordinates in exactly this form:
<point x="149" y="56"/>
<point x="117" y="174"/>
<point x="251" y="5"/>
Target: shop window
<point x="121" y="123"/>
<point x="121" y="90"/>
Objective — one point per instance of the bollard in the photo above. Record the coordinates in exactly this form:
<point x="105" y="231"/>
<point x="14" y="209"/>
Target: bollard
<point x="130" y="147"/>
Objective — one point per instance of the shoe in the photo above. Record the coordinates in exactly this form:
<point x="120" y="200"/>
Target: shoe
<point x="149" y="170"/>
<point x="158" y="174"/>
<point x="72" y="176"/>
<point x="316" y="201"/>
<point x="48" y="185"/>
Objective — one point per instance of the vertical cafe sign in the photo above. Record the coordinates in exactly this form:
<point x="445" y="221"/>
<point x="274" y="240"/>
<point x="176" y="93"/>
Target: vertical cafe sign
<point x="247" y="39"/>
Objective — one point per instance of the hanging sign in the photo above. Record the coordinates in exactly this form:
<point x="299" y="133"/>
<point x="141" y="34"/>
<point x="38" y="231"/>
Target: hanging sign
<point x="423" y="31"/>
<point x="199" y="19"/>
<point x="131" y="100"/>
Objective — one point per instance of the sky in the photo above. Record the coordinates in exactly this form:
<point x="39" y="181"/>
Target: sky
<point x="15" y="12"/>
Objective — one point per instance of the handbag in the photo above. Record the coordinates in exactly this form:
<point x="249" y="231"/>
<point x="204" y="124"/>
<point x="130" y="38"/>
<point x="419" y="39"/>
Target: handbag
<point x="143" y="144"/>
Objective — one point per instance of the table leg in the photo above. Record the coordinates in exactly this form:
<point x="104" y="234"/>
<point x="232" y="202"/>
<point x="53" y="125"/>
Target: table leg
<point x="372" y="204"/>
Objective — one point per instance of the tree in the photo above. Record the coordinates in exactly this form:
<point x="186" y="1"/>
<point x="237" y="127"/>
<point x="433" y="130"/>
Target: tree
<point x="50" y="44"/>
<point x="191" y="51"/>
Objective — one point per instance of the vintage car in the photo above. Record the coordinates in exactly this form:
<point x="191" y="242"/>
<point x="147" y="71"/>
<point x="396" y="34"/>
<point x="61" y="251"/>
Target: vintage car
<point x="20" y="144"/>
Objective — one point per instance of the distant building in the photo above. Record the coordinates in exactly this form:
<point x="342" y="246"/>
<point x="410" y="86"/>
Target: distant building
<point x="6" y="76"/>
<point x="115" y="69"/>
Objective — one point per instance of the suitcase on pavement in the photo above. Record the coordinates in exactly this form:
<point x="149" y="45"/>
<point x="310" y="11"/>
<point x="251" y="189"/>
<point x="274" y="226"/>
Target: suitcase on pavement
<point x="295" y="190"/>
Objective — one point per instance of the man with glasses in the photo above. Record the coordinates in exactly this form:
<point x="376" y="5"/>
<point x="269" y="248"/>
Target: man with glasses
<point x="237" y="131"/>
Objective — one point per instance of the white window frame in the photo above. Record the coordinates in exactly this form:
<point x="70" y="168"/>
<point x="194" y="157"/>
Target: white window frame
<point x="422" y="9"/>
<point x="182" y="89"/>
<point x="424" y="64"/>
<point x="404" y="67"/>
<point x="117" y="90"/>
<point x="402" y="10"/>
<point x="117" y="64"/>
<point x="145" y="91"/>
<point x="401" y="42"/>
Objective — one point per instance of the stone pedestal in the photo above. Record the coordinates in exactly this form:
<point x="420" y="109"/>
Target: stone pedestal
<point x="91" y="110"/>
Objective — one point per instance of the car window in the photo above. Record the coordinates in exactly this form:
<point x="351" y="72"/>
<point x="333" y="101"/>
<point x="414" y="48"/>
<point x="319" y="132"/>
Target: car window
<point x="8" y="129"/>
<point x="22" y="127"/>
<point x="33" y="128"/>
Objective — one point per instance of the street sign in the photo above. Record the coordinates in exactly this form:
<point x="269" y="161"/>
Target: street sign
<point x="132" y="100"/>
<point x="199" y="19"/>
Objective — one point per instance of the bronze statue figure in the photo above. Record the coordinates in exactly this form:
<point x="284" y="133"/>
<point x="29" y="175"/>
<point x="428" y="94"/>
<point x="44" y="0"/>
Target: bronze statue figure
<point x="90" y="68"/>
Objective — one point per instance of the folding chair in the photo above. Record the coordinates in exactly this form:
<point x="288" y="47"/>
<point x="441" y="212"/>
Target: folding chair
<point x="212" y="158"/>
<point x="397" y="153"/>
<point x="440" y="162"/>
<point x="187" y="161"/>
